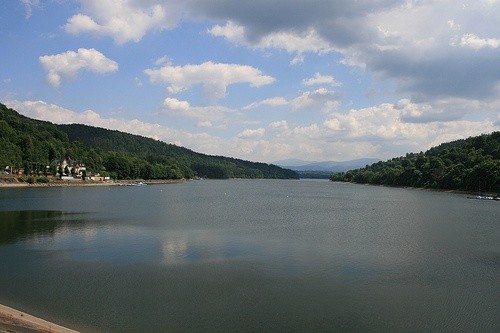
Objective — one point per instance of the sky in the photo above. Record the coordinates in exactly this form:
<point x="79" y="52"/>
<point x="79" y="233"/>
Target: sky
<point x="260" y="80"/>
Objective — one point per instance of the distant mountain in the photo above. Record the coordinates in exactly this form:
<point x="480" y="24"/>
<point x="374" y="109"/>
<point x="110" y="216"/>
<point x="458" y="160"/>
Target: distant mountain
<point x="326" y="166"/>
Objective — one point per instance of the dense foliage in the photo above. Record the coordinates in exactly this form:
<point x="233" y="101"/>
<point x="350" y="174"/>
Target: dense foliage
<point x="472" y="164"/>
<point x="32" y="145"/>
<point x="187" y="161"/>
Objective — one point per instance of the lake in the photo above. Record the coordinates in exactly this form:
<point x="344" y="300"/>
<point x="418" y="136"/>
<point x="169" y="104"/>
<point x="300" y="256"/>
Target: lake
<point x="253" y="256"/>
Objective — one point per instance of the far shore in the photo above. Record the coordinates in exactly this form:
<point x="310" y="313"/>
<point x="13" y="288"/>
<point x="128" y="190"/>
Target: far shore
<point x="15" y="182"/>
<point x="471" y="193"/>
<point x="12" y="320"/>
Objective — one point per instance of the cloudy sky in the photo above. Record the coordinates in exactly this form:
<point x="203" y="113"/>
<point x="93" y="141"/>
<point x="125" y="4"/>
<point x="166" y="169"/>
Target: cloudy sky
<point x="262" y="80"/>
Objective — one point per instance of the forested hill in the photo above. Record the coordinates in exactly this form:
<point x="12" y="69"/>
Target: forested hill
<point x="471" y="164"/>
<point x="158" y="152"/>
<point x="32" y="145"/>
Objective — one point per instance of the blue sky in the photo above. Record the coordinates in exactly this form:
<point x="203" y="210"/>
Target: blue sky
<point x="260" y="80"/>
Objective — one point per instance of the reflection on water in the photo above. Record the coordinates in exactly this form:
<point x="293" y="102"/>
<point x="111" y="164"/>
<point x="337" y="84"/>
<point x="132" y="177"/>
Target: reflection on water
<point x="201" y="247"/>
<point x="22" y="225"/>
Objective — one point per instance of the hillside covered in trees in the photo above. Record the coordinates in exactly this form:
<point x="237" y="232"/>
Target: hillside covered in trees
<point x="471" y="164"/>
<point x="34" y="145"/>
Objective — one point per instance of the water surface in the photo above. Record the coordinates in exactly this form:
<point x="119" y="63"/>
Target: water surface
<point x="251" y="255"/>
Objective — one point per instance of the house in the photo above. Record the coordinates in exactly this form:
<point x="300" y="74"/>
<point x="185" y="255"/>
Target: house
<point x="98" y="177"/>
<point x="75" y="167"/>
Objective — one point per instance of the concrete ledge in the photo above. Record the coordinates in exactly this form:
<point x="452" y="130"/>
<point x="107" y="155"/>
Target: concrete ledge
<point x="12" y="320"/>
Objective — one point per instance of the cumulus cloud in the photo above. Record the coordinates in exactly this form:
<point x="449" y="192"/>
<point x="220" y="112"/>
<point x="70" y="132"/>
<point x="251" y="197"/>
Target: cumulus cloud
<point x="205" y="124"/>
<point x="207" y="115"/>
<point x="476" y="43"/>
<point x="215" y="77"/>
<point x="69" y="63"/>
<point x="382" y="131"/>
<point x="321" y="98"/>
<point x="428" y="48"/>
<point x="279" y="125"/>
<point x="298" y="42"/>
<point x="274" y="101"/>
<point x="175" y="105"/>
<point x="319" y="79"/>
<point x="231" y="31"/>
<point x="388" y="122"/>
<point x="262" y="18"/>
<point x="123" y="20"/>
<point x="165" y="60"/>
<point x="252" y="133"/>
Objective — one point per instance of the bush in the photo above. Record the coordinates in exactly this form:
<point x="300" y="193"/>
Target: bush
<point x="30" y="180"/>
<point x="42" y="180"/>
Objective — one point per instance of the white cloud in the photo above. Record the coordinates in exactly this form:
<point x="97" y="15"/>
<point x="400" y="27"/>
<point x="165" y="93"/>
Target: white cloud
<point x="297" y="60"/>
<point x="123" y="20"/>
<point x="233" y="32"/>
<point x="298" y="42"/>
<point x="306" y="41"/>
<point x="28" y="6"/>
<point x="215" y="77"/>
<point x="279" y="125"/>
<point x="252" y="133"/>
<point x="387" y="122"/>
<point x="319" y="79"/>
<point x="175" y="105"/>
<point x="274" y="101"/>
<point x="79" y="23"/>
<point x="205" y="124"/>
<point x="206" y="114"/>
<point x="165" y="60"/>
<point x="322" y="99"/>
<point x="69" y="63"/>
<point x="407" y="42"/>
<point x="476" y="43"/>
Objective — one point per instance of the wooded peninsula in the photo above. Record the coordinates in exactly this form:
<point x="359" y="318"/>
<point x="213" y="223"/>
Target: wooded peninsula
<point x="471" y="165"/>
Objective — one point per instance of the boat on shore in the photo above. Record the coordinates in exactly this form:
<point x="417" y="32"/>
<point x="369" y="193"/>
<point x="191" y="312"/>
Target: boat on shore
<point x="134" y="184"/>
<point x="483" y="197"/>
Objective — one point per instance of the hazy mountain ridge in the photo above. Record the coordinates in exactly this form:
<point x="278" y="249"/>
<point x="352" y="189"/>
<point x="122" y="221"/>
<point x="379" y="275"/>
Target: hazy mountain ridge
<point x="325" y="166"/>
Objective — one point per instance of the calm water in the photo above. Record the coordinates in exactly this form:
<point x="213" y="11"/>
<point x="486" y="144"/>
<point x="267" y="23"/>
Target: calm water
<point x="252" y="256"/>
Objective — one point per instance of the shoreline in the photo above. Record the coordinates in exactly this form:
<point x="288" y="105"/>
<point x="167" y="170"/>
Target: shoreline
<point x="12" y="320"/>
<point x="15" y="183"/>
<point x="465" y="192"/>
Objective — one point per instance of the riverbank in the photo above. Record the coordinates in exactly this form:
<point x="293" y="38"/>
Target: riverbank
<point x="15" y="182"/>
<point x="12" y="320"/>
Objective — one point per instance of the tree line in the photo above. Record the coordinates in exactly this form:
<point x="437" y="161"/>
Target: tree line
<point x="472" y="164"/>
<point x="34" y="145"/>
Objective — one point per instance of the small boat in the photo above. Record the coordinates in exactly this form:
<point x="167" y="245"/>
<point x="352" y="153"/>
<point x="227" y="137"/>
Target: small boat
<point x="135" y="184"/>
<point x="483" y="197"/>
